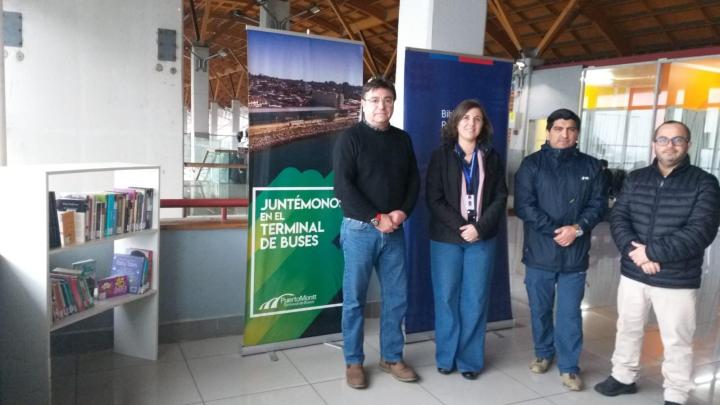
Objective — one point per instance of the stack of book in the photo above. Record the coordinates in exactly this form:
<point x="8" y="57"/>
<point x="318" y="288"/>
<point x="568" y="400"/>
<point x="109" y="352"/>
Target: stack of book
<point x="71" y="292"/>
<point x="83" y="217"/>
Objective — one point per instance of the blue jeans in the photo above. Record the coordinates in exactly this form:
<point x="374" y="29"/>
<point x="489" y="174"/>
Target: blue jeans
<point x="461" y="277"/>
<point x="564" y="335"/>
<point x="364" y="247"/>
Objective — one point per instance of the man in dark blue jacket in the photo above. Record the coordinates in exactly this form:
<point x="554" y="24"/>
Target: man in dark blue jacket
<point x="560" y="195"/>
<point x="664" y="218"/>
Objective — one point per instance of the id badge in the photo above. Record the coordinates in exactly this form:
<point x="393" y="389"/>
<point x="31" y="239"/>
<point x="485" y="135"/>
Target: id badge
<point x="470" y="203"/>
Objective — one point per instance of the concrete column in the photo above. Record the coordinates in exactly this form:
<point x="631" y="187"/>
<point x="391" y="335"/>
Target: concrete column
<point x="452" y="26"/>
<point x="275" y="14"/>
<point x="199" y="98"/>
<point x="235" y="108"/>
<point x="214" y="107"/>
<point x="3" y="135"/>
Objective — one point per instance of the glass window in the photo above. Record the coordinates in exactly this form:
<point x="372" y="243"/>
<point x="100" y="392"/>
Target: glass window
<point x="617" y="114"/>
<point x="690" y="92"/>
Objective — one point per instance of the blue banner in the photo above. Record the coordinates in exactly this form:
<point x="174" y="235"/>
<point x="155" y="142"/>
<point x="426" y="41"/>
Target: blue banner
<point x="434" y="84"/>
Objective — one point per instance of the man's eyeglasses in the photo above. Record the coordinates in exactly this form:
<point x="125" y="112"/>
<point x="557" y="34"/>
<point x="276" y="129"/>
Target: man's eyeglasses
<point x="388" y="101"/>
<point x="676" y="141"/>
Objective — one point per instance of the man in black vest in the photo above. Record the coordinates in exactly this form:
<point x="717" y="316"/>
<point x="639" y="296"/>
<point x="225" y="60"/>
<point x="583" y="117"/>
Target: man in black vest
<point x="664" y="218"/>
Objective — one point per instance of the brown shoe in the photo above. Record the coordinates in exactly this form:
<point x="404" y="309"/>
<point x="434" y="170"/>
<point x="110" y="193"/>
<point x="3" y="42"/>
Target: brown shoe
<point x="355" y="376"/>
<point x="399" y="370"/>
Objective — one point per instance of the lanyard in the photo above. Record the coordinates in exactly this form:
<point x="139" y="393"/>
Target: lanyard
<point x="468" y="172"/>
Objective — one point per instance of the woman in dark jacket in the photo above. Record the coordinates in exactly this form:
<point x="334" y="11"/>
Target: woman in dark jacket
<point x="466" y="194"/>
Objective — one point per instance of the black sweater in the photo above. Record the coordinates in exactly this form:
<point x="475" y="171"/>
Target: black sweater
<point x="676" y="217"/>
<point x="444" y="182"/>
<point x="375" y="172"/>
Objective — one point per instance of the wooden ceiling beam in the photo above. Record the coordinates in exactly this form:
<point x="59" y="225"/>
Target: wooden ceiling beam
<point x="206" y="18"/>
<point x="232" y="86"/>
<point x="656" y="12"/>
<point x="368" y="23"/>
<point x="340" y="18"/>
<point x="390" y="63"/>
<point x="706" y="17"/>
<point x="194" y="20"/>
<point x="236" y="59"/>
<point x="368" y="57"/>
<point x="228" y="91"/>
<point x="566" y="16"/>
<point x="240" y="84"/>
<point x="676" y="27"/>
<point x="227" y="71"/>
<point x="376" y="12"/>
<point x="658" y="21"/>
<point x="499" y="12"/>
<point x="213" y="92"/>
<point x="499" y="36"/>
<point x="336" y="29"/>
<point x="222" y="28"/>
<point x="606" y="28"/>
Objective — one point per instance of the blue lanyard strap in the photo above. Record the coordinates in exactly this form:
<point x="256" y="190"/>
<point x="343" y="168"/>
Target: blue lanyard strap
<point x="468" y="172"/>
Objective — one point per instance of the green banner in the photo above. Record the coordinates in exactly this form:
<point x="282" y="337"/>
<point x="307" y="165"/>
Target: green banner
<point x="295" y="268"/>
<point x="303" y="91"/>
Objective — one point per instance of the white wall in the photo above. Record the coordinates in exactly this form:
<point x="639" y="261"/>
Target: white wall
<point x="551" y="89"/>
<point x="87" y="89"/>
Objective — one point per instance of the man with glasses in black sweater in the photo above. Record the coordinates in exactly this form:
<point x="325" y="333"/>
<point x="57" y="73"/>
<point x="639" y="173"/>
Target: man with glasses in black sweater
<point x="377" y="180"/>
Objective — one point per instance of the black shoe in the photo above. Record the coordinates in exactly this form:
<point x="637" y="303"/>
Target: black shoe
<point x="612" y="387"/>
<point x="445" y="371"/>
<point x="671" y="403"/>
<point x="470" y="375"/>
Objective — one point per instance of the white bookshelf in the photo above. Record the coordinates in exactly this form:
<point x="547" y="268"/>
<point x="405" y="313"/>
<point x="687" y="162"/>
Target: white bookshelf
<point x="25" y="259"/>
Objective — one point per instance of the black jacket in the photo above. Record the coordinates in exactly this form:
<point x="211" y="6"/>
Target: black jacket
<point x="676" y="217"/>
<point x="554" y="188"/>
<point x="443" y="187"/>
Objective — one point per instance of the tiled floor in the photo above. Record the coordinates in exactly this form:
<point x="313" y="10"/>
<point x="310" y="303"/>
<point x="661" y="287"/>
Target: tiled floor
<point x="212" y="371"/>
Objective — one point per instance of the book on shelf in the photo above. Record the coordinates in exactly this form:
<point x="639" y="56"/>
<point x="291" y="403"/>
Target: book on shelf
<point x="146" y="211"/>
<point x="146" y="254"/>
<point x="63" y="296"/>
<point x="88" y="272"/>
<point x="130" y="211"/>
<point x="110" y="216"/>
<point x="80" y="204"/>
<point x="66" y="220"/>
<point x="80" y="217"/>
<point x="131" y="266"/>
<point x="54" y="225"/>
<point x="112" y="286"/>
<point x="59" y="306"/>
<point x="100" y="202"/>
<point x="77" y="296"/>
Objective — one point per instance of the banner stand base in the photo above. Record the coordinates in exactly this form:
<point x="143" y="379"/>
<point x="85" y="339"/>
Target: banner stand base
<point x="430" y="334"/>
<point x="289" y="344"/>
<point x="334" y="345"/>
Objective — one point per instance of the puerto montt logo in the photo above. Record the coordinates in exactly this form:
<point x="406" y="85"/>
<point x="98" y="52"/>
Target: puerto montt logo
<point x="287" y="300"/>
